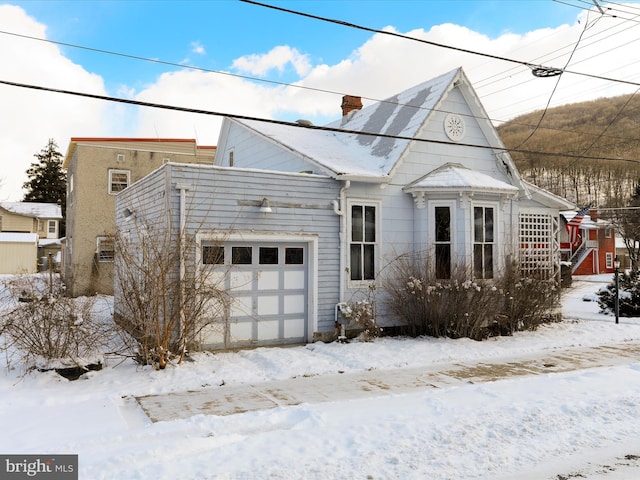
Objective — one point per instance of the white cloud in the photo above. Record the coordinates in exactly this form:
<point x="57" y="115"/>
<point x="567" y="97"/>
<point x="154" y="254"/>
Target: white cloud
<point x="196" y="47"/>
<point x="29" y="118"/>
<point x="276" y="59"/>
<point x="382" y="66"/>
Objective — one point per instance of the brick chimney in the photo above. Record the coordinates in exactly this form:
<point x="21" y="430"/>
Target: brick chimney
<point x="593" y="213"/>
<point x="350" y="103"/>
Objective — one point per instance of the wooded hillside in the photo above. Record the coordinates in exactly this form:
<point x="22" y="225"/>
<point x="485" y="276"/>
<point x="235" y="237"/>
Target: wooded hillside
<point x="586" y="152"/>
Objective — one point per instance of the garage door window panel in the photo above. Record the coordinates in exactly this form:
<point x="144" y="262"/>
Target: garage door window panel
<point x="294" y="256"/>
<point x="212" y="255"/>
<point x="268" y="255"/>
<point x="241" y="255"/>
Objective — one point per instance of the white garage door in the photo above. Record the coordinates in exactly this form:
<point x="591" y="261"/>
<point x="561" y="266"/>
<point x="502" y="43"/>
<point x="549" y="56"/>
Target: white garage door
<point x="269" y="290"/>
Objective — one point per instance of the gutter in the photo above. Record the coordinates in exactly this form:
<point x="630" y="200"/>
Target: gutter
<point x="339" y="207"/>
<point x="183" y="188"/>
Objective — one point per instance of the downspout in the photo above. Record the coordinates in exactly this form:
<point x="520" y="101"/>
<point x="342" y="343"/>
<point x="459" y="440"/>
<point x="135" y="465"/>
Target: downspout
<point x="183" y="188"/>
<point x="339" y="207"/>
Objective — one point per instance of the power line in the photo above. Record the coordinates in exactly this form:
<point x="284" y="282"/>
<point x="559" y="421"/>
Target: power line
<point x="436" y="44"/>
<point x="546" y="108"/>
<point x="299" y="125"/>
<point x="191" y="67"/>
<point x="246" y="77"/>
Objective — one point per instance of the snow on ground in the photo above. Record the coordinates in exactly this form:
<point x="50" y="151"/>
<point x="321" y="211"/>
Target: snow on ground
<point x="553" y="426"/>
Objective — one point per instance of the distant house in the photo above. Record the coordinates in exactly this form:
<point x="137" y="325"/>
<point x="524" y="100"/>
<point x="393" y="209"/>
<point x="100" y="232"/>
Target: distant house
<point x="97" y="170"/>
<point x="20" y="223"/>
<point x="304" y="218"/>
<point x="592" y="248"/>
<point x="18" y="253"/>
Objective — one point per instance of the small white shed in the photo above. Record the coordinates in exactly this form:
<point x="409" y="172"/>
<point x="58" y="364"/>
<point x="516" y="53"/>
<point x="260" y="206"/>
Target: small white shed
<point x="18" y="253"/>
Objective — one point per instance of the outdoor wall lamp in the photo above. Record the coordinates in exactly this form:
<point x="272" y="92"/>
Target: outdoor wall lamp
<point x="265" y="206"/>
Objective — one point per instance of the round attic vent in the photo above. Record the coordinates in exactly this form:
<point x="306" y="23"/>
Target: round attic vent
<point x="454" y="127"/>
<point x="304" y="122"/>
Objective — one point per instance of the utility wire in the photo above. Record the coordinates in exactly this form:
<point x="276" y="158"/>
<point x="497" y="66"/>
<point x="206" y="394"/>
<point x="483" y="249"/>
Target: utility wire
<point x="299" y="125"/>
<point x="435" y="44"/>
<point x="246" y="77"/>
<point x="546" y="108"/>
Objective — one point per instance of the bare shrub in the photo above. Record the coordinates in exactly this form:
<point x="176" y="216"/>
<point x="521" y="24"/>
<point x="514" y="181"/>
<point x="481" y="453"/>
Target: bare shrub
<point x="460" y="307"/>
<point x="165" y="300"/>
<point x="526" y="301"/>
<point x="47" y="329"/>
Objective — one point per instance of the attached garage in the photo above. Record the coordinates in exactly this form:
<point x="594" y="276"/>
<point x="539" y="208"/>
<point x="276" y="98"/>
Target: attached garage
<point x="269" y="287"/>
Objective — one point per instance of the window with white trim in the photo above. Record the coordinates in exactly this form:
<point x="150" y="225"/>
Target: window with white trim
<point x="609" y="259"/>
<point x="607" y="233"/>
<point x="105" y="248"/>
<point x="52" y="226"/>
<point x="362" y="242"/>
<point x="118" y="180"/>
<point x="483" y="242"/>
<point x="442" y="240"/>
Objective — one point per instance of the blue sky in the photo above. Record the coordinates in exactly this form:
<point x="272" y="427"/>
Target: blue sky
<point x="228" y="29"/>
<point x="257" y="42"/>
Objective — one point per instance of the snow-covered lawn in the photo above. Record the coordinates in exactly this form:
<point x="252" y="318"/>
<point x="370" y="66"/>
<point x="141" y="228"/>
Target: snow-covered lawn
<point x="552" y="426"/>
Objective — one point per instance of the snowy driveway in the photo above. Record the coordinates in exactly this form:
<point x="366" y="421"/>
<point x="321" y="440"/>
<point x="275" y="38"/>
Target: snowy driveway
<point x="228" y="400"/>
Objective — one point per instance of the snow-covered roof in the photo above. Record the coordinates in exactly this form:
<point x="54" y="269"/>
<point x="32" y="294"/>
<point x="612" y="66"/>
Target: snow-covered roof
<point x="454" y="176"/>
<point x="34" y="209"/>
<point x="45" y="242"/>
<point x="9" y="237"/>
<point x="364" y="155"/>
<point x="587" y="222"/>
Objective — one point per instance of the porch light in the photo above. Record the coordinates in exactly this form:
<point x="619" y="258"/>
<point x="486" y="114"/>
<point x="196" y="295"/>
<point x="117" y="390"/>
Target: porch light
<point x="265" y="206"/>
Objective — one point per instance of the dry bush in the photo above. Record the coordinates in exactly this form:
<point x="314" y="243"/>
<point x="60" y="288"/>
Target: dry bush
<point x="164" y="299"/>
<point x="459" y="307"/>
<point x="360" y="315"/>
<point x="47" y="329"/>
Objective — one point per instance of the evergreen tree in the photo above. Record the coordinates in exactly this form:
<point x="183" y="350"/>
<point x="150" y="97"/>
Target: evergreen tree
<point x="47" y="181"/>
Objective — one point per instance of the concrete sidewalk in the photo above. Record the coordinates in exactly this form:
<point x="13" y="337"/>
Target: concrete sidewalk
<point x="228" y="400"/>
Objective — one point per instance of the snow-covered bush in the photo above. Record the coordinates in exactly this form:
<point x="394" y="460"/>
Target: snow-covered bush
<point x="360" y="315"/>
<point x="461" y="307"/>
<point x="629" y="299"/>
<point x="46" y="329"/>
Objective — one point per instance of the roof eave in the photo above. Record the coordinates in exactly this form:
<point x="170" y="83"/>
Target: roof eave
<point x="381" y="179"/>
<point x="457" y="189"/>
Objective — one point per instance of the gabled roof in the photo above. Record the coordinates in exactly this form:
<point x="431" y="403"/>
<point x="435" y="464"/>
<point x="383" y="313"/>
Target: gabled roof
<point x="455" y="177"/>
<point x="34" y="209"/>
<point x="354" y="154"/>
<point x="546" y="197"/>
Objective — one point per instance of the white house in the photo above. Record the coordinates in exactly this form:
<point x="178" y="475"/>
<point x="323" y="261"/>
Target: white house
<point x="315" y="214"/>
